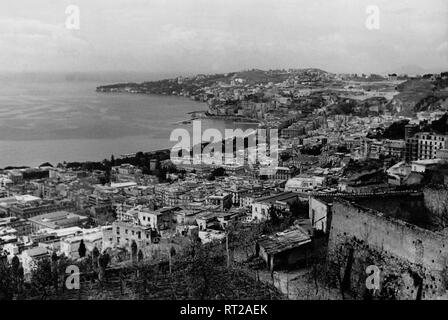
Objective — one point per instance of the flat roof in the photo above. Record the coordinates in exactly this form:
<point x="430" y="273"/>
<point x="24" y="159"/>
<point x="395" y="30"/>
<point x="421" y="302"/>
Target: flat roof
<point x="37" y="251"/>
<point x="57" y="219"/>
<point x="277" y="197"/>
<point x="123" y="184"/>
<point x="428" y="161"/>
<point x="66" y="231"/>
<point x="27" y="198"/>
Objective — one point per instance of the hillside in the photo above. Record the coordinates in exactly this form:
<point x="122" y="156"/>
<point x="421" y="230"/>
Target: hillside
<point x="196" y="84"/>
<point x="420" y="95"/>
<point x="144" y="284"/>
<point x="411" y="93"/>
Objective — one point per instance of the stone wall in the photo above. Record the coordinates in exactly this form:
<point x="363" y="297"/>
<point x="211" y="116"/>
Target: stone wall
<point x="436" y="200"/>
<point x="412" y="260"/>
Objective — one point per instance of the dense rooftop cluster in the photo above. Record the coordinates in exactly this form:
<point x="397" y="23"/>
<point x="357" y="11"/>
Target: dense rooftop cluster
<point x="377" y="141"/>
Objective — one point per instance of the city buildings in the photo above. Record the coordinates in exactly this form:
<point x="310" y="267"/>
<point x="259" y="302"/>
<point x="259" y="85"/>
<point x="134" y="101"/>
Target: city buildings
<point x="261" y="206"/>
<point x="425" y="145"/>
<point x="334" y="157"/>
<point x="56" y="220"/>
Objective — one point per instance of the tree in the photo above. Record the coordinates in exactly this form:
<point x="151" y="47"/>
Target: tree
<point x="6" y="281"/>
<point x="42" y="278"/>
<point x="345" y="107"/>
<point x="54" y="257"/>
<point x="95" y="255"/>
<point x="242" y="237"/>
<point x="342" y="149"/>
<point x="200" y="264"/>
<point x="54" y="269"/>
<point x="440" y="125"/>
<point x="103" y="261"/>
<point x="82" y="249"/>
<point x="161" y="173"/>
<point x="299" y="209"/>
<point x="218" y="172"/>
<point x="133" y="250"/>
<point x="395" y="131"/>
<point x="312" y="150"/>
<point x="274" y="215"/>
<point x="140" y="255"/>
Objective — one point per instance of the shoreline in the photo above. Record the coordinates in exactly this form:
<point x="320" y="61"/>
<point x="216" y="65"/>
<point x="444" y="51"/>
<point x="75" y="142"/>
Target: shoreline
<point x="92" y="140"/>
<point x="93" y="154"/>
<point x="52" y="147"/>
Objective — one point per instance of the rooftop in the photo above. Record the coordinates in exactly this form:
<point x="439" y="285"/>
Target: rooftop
<point x="123" y="185"/>
<point x="36" y="252"/>
<point x="285" y="240"/>
<point x="277" y="197"/>
<point x="58" y="219"/>
<point x="427" y="162"/>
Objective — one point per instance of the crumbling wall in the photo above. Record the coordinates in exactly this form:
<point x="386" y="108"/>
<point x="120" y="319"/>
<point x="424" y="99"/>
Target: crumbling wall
<point x="436" y="199"/>
<point x="412" y="260"/>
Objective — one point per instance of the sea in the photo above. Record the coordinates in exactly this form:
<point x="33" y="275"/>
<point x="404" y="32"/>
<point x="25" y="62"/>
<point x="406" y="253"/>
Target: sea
<point x="60" y="117"/>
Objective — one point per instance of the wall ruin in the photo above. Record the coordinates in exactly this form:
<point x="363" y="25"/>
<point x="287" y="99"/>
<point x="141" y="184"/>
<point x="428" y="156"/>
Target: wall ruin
<point x="412" y="260"/>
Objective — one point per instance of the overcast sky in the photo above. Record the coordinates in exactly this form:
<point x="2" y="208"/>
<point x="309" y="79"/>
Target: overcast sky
<point x="192" y="36"/>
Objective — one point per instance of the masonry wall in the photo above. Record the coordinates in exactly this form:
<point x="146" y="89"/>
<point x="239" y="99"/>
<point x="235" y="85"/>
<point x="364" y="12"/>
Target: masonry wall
<point x="319" y="214"/>
<point x="404" y="252"/>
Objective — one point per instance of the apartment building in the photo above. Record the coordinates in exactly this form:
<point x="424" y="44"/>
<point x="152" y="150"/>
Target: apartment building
<point x="424" y="145"/>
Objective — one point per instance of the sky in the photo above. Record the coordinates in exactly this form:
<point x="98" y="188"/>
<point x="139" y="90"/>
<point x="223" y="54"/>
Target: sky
<point x="207" y="36"/>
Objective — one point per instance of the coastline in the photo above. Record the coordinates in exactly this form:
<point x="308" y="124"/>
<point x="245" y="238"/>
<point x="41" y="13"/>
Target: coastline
<point x="203" y="114"/>
<point x="58" y="149"/>
<point x="69" y="150"/>
<point x="71" y="122"/>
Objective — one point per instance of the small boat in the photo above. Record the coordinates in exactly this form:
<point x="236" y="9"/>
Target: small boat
<point x="183" y="122"/>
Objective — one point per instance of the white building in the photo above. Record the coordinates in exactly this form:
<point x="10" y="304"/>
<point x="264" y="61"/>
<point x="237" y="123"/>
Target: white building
<point x="422" y="165"/>
<point x="319" y="213"/>
<point x="261" y="206"/>
<point x="304" y="183"/>
<point x="92" y="238"/>
<point x="31" y="257"/>
<point x="210" y="235"/>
